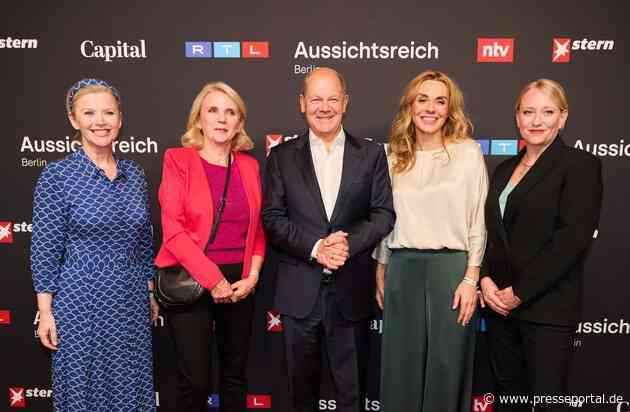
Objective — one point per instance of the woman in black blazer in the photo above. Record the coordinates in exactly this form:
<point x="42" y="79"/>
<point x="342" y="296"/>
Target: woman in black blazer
<point x="541" y="214"/>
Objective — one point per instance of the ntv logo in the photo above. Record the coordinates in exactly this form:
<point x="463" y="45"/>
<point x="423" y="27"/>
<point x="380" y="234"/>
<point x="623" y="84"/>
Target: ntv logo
<point x="495" y="50"/>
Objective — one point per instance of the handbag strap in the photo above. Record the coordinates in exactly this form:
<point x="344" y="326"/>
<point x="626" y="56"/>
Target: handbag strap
<point x="217" y="217"/>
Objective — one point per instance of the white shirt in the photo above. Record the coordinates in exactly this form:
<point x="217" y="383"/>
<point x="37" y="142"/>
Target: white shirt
<point x="328" y="167"/>
<point x="439" y="203"/>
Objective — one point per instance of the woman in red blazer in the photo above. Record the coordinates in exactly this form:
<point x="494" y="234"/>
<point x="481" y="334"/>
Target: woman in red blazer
<point x="192" y="186"/>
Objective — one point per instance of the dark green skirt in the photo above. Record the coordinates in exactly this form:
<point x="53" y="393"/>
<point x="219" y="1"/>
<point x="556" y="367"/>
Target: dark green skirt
<point x="427" y="358"/>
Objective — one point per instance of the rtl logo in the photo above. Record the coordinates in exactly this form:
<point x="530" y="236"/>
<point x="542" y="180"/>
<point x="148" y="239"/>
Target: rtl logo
<point x="17" y="398"/>
<point x="495" y="50"/>
<point x="5" y="317"/>
<point x="6" y="232"/>
<point x="274" y="323"/>
<point x="227" y="49"/>
<point x="258" y="401"/>
<point x="482" y="403"/>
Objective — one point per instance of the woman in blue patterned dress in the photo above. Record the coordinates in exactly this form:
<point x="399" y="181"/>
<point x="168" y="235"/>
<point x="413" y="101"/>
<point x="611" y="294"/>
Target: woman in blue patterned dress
<point x="91" y="257"/>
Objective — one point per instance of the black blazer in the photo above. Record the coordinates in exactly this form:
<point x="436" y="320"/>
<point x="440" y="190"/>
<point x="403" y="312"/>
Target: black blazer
<point x="295" y="218"/>
<point x="540" y="244"/>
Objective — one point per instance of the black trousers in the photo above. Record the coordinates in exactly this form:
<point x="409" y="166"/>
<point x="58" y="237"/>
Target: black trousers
<point x="346" y="345"/>
<point x="191" y="331"/>
<point x="529" y="359"/>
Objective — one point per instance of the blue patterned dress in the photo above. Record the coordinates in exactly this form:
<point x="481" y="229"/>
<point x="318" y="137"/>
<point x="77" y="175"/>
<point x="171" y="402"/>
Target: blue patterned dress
<point x="92" y="248"/>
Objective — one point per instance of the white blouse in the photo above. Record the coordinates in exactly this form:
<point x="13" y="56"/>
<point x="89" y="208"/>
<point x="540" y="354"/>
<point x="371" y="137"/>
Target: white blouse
<point x="440" y="202"/>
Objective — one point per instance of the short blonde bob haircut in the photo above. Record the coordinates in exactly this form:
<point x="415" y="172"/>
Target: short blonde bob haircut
<point x="402" y="137"/>
<point x="550" y="88"/>
<point x="194" y="135"/>
<point x="72" y="98"/>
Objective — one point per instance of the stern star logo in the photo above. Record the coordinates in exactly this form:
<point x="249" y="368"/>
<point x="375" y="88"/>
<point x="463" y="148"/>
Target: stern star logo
<point x="6" y="232"/>
<point x="16" y="398"/>
<point x="561" y="50"/>
<point x="274" y="323"/>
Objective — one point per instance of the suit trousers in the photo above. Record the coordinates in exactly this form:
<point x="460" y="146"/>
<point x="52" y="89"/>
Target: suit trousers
<point x="191" y="331"/>
<point x="346" y="346"/>
<point x="426" y="356"/>
<point x="529" y="358"/>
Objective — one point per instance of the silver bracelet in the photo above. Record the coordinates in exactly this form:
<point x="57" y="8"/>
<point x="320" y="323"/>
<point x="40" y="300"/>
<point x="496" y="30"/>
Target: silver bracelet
<point x="472" y="282"/>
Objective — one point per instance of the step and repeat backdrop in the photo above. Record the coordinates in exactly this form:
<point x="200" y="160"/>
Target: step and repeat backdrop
<point x="159" y="54"/>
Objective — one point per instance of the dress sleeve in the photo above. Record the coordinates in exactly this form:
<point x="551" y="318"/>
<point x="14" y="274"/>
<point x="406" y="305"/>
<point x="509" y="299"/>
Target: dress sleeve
<point x="477" y="228"/>
<point x="48" y="242"/>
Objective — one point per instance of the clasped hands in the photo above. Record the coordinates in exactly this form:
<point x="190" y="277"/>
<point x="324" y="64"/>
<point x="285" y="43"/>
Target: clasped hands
<point x="501" y="301"/>
<point x="333" y="251"/>
<point x="224" y="292"/>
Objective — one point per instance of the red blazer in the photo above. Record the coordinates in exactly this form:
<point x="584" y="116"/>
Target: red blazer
<point x="187" y="213"/>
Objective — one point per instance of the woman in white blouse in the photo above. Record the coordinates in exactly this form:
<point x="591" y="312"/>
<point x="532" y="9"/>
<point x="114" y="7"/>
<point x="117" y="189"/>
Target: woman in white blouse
<point x="428" y="266"/>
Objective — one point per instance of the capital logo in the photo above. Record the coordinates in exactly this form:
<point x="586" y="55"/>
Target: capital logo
<point x="118" y="50"/>
<point x="483" y="403"/>
<point x="562" y="47"/>
<point x="495" y="50"/>
<point x="561" y="50"/>
<point x="258" y="401"/>
<point x="274" y="323"/>
<point x="5" y="317"/>
<point x="6" y="232"/>
<point x="227" y="49"/>
<point x="17" y="398"/>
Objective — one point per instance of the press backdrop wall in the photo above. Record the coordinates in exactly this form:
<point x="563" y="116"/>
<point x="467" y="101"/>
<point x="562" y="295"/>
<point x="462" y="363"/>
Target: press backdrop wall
<point x="492" y="48"/>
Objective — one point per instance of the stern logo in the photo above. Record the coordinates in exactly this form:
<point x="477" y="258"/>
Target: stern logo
<point x="273" y="140"/>
<point x="11" y="43"/>
<point x="495" y="50"/>
<point x="274" y="323"/>
<point x="561" y="53"/>
<point x="16" y="398"/>
<point x="561" y="47"/>
<point x="6" y="232"/>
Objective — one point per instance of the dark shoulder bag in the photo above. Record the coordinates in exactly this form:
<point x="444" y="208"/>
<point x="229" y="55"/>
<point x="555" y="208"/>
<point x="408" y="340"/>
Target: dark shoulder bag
<point x="174" y="287"/>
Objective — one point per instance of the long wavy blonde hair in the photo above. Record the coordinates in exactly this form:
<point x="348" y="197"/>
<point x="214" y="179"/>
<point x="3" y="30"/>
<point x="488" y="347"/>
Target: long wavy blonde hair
<point x="402" y="137"/>
<point x="194" y="135"/>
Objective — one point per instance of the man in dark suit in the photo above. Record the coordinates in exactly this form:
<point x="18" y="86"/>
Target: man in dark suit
<point x="328" y="201"/>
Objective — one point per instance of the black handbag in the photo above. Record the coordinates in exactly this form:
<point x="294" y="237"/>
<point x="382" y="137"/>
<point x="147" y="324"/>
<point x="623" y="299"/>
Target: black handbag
<point x="174" y="287"/>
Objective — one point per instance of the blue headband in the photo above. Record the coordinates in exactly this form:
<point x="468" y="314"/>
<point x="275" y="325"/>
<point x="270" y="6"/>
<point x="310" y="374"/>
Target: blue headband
<point x="89" y="82"/>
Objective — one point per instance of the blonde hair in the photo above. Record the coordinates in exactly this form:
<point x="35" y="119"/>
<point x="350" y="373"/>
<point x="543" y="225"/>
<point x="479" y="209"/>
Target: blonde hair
<point x="548" y="87"/>
<point x="402" y="138"/>
<point x="72" y="96"/>
<point x="194" y="135"/>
